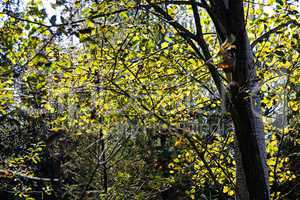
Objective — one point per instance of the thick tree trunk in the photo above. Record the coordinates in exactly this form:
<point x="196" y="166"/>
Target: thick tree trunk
<point x="252" y="175"/>
<point x="245" y="111"/>
<point x="252" y="178"/>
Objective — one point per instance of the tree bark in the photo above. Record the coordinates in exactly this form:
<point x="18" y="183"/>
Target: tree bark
<point x="245" y="109"/>
<point x="104" y="167"/>
<point x="252" y="178"/>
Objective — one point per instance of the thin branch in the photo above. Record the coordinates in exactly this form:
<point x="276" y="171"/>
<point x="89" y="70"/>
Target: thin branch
<point x="11" y="14"/>
<point x="214" y="72"/>
<point x="196" y="18"/>
<point x="180" y="3"/>
<point x="271" y="31"/>
<point x="206" y="164"/>
<point x="199" y="35"/>
<point x="291" y="190"/>
<point x="40" y="50"/>
<point x="185" y="36"/>
<point x="9" y="173"/>
<point x="188" y="36"/>
<point x="284" y="122"/>
<point x="171" y="21"/>
<point x="247" y="15"/>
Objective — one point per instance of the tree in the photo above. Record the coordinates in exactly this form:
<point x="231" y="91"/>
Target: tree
<point x="241" y="93"/>
<point x="143" y="64"/>
<point x="228" y="18"/>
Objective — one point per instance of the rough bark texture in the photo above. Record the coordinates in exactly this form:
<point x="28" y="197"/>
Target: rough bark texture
<point x="252" y="181"/>
<point x="252" y="175"/>
<point x="248" y="128"/>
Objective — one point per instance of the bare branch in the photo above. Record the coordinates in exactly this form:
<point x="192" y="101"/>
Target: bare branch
<point x="180" y="3"/>
<point x="196" y="18"/>
<point x="171" y="21"/>
<point x="9" y="173"/>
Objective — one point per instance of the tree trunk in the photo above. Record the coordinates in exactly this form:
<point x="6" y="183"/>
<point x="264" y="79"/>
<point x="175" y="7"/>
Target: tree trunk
<point x="245" y="111"/>
<point x="104" y="167"/>
<point x="252" y="178"/>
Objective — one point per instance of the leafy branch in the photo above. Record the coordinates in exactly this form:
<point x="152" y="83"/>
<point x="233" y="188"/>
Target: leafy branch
<point x="267" y="34"/>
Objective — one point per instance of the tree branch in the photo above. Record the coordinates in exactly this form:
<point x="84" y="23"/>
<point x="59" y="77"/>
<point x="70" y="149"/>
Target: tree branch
<point x="179" y="3"/>
<point x="271" y="31"/>
<point x="196" y="18"/>
<point x="11" y="14"/>
<point x="171" y="21"/>
<point x="186" y="34"/>
<point x="9" y="173"/>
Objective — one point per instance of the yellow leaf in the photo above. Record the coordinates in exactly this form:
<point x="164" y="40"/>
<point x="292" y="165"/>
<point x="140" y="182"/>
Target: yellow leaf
<point x="164" y="45"/>
<point x="226" y="189"/>
<point x="57" y="130"/>
<point x="192" y="196"/>
<point x="48" y="107"/>
<point x="231" y="193"/>
<point x="178" y="142"/>
<point x="271" y="162"/>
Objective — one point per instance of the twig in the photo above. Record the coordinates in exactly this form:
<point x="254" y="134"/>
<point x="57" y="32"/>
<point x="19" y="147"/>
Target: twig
<point x="9" y="173"/>
<point x="271" y="31"/>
